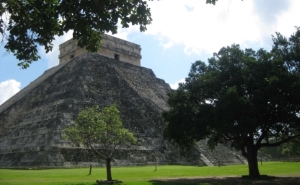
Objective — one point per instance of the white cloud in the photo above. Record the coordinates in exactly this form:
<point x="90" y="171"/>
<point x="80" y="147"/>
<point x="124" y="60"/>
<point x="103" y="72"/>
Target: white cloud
<point x="288" y="20"/>
<point x="8" y="89"/>
<point x="168" y="45"/>
<point x="124" y="32"/>
<point x="52" y="57"/>
<point x="200" y="27"/>
<point x="176" y="84"/>
<point x="203" y="29"/>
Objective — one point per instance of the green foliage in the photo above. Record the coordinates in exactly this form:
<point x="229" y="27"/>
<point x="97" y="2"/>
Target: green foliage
<point x="288" y="50"/>
<point x="31" y="23"/>
<point x="245" y="97"/>
<point x="290" y="149"/>
<point x="93" y="127"/>
<point x="211" y="2"/>
<point x="104" y="129"/>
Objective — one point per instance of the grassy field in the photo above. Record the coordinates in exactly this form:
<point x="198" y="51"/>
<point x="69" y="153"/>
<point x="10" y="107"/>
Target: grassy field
<point x="147" y="175"/>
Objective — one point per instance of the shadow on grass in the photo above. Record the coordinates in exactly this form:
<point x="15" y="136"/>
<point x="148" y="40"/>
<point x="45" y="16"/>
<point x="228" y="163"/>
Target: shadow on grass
<point x="228" y="180"/>
<point x="83" y="184"/>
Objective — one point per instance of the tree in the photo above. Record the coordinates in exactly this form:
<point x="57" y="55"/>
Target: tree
<point x="100" y="129"/>
<point x="292" y="148"/>
<point x="33" y="22"/>
<point x="288" y="50"/>
<point x="249" y="99"/>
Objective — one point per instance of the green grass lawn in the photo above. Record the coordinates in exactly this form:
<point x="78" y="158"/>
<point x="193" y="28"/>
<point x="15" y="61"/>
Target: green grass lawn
<point x="138" y="175"/>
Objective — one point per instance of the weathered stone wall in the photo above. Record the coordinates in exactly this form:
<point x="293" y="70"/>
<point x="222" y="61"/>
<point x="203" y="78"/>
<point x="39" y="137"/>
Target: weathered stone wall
<point x="31" y="124"/>
<point x="110" y="47"/>
<point x="29" y="87"/>
<point x="222" y="155"/>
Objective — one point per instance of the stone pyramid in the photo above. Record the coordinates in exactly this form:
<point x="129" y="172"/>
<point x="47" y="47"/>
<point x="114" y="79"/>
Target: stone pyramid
<point x="31" y="121"/>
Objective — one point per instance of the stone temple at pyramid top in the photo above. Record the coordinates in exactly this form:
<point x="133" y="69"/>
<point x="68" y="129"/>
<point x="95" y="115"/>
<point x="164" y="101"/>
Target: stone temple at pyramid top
<point x="111" y="47"/>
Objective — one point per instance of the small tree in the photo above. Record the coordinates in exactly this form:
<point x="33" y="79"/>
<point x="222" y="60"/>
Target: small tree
<point x="100" y="129"/>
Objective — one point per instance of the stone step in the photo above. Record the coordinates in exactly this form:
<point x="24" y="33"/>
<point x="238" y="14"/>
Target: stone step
<point x="205" y="160"/>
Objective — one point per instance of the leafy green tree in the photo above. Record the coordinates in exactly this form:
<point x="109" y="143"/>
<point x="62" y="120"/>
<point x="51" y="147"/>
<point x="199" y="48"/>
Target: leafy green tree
<point x="100" y="129"/>
<point x="292" y="148"/>
<point x="27" y="24"/>
<point x="288" y="50"/>
<point x="32" y="23"/>
<point x="245" y="97"/>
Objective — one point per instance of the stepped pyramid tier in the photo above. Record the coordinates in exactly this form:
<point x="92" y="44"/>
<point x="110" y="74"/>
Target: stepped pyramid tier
<point x="31" y="122"/>
<point x="111" y="47"/>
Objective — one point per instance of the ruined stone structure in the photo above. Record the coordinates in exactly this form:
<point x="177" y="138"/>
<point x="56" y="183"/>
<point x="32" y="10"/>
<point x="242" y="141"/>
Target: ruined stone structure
<point x="111" y="47"/>
<point x="31" y="121"/>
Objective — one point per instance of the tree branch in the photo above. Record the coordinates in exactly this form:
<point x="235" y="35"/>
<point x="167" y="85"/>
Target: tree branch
<point x="277" y="143"/>
<point x="98" y="153"/>
<point x="264" y="133"/>
<point x="112" y="151"/>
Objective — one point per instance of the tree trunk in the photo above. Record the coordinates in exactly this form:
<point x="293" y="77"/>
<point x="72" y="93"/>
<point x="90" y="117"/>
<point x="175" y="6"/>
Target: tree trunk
<point x="108" y="169"/>
<point x="90" y="169"/>
<point x="252" y="162"/>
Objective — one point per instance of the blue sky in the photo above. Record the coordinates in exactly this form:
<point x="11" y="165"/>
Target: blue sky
<point x="182" y="32"/>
